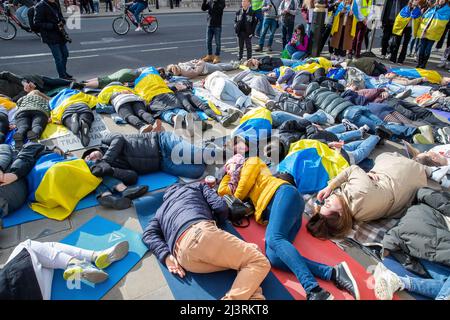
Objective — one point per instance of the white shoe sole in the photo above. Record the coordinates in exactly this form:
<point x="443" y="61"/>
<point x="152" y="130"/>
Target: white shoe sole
<point x="352" y="279"/>
<point x="118" y="253"/>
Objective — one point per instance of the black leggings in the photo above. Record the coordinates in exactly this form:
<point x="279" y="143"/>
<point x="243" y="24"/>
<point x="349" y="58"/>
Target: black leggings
<point x="53" y="83"/>
<point x="87" y="117"/>
<point x="248" y="44"/>
<point x="4" y="127"/>
<point x="35" y="121"/>
<point x="135" y="114"/>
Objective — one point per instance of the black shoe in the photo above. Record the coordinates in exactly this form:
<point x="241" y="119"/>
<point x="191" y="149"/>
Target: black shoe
<point x="76" y="85"/>
<point x="75" y="124"/>
<point x="319" y="295"/>
<point x="84" y="134"/>
<point x="18" y="141"/>
<point x="383" y="133"/>
<point x="206" y="126"/>
<point x="114" y="202"/>
<point x="135" y="192"/>
<point x="32" y="136"/>
<point x="344" y="280"/>
<point x="230" y="118"/>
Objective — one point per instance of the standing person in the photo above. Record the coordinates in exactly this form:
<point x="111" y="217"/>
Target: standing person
<point x="390" y="11"/>
<point x="244" y="25"/>
<point x="307" y="9"/>
<point x="50" y="21"/>
<point x="287" y="10"/>
<point x="257" y="9"/>
<point x="431" y="29"/>
<point x="137" y="7"/>
<point x="407" y="21"/>
<point x="341" y="31"/>
<point x="270" y="22"/>
<point x="108" y="6"/>
<point x="363" y="11"/>
<point x="214" y="30"/>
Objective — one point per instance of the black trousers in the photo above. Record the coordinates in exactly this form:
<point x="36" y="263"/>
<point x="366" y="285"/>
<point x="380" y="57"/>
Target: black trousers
<point x="243" y="38"/>
<point x="4" y="127"/>
<point x="406" y="36"/>
<point x="136" y="114"/>
<point x="87" y="117"/>
<point x="35" y="121"/>
<point x="387" y="34"/>
<point x="53" y="83"/>
<point x="416" y="113"/>
<point x="108" y="5"/>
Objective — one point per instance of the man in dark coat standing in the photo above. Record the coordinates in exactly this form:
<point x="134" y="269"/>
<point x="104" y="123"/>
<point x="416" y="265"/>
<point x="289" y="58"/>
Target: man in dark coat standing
<point x="214" y="30"/>
<point x="390" y="11"/>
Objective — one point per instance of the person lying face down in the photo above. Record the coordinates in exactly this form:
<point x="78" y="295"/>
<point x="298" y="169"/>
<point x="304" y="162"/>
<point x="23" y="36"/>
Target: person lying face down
<point x="184" y="236"/>
<point x="153" y="152"/>
<point x="32" y="265"/>
<point x="354" y="195"/>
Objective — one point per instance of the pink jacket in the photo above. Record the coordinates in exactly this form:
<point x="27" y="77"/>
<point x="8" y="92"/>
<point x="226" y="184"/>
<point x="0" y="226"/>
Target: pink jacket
<point x="300" y="46"/>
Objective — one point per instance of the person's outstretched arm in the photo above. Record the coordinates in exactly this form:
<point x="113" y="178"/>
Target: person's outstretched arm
<point x="26" y="159"/>
<point x="115" y="144"/>
<point x="216" y="203"/>
<point x="154" y="239"/>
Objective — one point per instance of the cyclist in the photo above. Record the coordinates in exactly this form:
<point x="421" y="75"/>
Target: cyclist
<point x="136" y="7"/>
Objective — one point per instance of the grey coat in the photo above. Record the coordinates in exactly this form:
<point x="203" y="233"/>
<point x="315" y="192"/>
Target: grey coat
<point x="330" y="102"/>
<point x="424" y="232"/>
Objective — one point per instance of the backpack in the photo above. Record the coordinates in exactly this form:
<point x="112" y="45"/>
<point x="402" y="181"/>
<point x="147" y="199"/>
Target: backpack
<point x="33" y="26"/>
<point x="295" y="106"/>
<point x="356" y="76"/>
<point x="245" y="88"/>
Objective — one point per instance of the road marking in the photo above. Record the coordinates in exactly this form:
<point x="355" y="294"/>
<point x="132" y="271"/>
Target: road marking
<point x="103" y="40"/>
<point x="159" y="49"/>
<point x="82" y="57"/>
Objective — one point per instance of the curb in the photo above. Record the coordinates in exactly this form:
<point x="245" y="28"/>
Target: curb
<point x="154" y="12"/>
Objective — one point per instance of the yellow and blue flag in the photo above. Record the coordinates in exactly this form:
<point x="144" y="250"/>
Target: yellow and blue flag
<point x="415" y="73"/>
<point x="150" y="84"/>
<point x="434" y="22"/>
<point x="312" y="164"/>
<point x="404" y="17"/>
<point x="67" y="97"/>
<point x="254" y="125"/>
<point x="105" y="95"/>
<point x="57" y="185"/>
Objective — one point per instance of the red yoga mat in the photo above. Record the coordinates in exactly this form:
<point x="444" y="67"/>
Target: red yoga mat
<point x="325" y="252"/>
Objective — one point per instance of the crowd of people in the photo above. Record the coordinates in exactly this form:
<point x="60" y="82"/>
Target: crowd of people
<point x="307" y="126"/>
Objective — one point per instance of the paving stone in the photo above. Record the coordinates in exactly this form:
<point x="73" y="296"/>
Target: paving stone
<point x="144" y="278"/>
<point x="78" y="218"/>
<point x="43" y="228"/>
<point x="9" y="237"/>
<point x="117" y="292"/>
<point x="163" y="293"/>
<point x="4" y="255"/>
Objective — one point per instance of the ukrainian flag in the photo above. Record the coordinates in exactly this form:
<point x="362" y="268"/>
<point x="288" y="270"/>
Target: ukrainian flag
<point x="312" y="64"/>
<point x="312" y="164"/>
<point x="67" y="97"/>
<point x="105" y="95"/>
<point x="336" y="21"/>
<point x="7" y="103"/>
<point x="403" y="18"/>
<point x="254" y="125"/>
<point x="57" y="185"/>
<point x="150" y="84"/>
<point x="414" y="73"/>
<point x="434" y="22"/>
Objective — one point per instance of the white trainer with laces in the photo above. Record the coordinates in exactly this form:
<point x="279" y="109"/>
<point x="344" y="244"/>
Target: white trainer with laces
<point x="105" y="258"/>
<point x="386" y="283"/>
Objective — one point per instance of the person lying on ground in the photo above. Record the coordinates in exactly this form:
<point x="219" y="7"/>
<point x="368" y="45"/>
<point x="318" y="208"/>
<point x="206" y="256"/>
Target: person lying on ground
<point x="267" y="63"/>
<point x="370" y="66"/>
<point x="340" y="109"/>
<point x="279" y="205"/>
<point x="73" y="109"/>
<point x="257" y="82"/>
<point x="15" y="86"/>
<point x="295" y="81"/>
<point x="195" y="68"/>
<point x="28" y="273"/>
<point x="128" y="105"/>
<point x="8" y="110"/>
<point x="152" y="152"/>
<point x="31" y="117"/>
<point x="124" y="76"/>
<point x="354" y="195"/>
<point x="184" y="235"/>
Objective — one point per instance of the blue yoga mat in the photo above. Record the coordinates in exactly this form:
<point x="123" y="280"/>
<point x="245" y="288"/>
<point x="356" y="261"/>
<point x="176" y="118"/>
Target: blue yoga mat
<point x="210" y="286"/>
<point x="155" y="181"/>
<point x="98" y="234"/>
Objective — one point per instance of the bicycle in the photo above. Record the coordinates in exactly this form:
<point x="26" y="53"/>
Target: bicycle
<point x="121" y="25"/>
<point x="8" y="22"/>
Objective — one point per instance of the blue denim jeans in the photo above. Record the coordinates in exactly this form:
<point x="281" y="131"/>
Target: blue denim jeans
<point x="341" y="132"/>
<point x="437" y="288"/>
<point x="213" y="32"/>
<point x="295" y="54"/>
<point x="181" y="158"/>
<point x="284" y="213"/>
<point x="137" y="8"/>
<point x="361" y="149"/>
<point x="425" y="47"/>
<point x="60" y="54"/>
<point x="168" y="115"/>
<point x="268" y="24"/>
<point x="361" y="115"/>
<point x="260" y="17"/>
<point x="22" y="15"/>
<point x="279" y="117"/>
<point x="107" y="185"/>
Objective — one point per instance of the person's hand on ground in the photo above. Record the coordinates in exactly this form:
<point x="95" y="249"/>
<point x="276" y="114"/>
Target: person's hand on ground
<point x="174" y="267"/>
<point x="28" y="87"/>
<point x="336" y="145"/>
<point x="324" y="193"/>
<point x="8" y="178"/>
<point x="373" y="176"/>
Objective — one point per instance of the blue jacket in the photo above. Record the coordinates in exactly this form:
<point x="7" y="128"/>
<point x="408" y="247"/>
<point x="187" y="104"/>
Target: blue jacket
<point x="183" y="206"/>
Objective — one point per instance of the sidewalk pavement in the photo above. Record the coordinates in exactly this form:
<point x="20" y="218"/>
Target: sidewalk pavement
<point x="164" y="10"/>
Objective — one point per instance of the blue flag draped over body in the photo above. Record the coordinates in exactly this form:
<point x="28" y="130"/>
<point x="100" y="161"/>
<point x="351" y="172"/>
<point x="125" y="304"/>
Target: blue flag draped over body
<point x="255" y="125"/>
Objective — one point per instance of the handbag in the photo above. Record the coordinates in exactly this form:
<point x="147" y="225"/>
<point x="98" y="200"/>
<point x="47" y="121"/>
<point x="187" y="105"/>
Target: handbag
<point x="245" y="88"/>
<point x="239" y="211"/>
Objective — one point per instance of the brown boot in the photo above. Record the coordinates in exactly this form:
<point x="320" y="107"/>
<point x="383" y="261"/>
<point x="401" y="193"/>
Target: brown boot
<point x="208" y="58"/>
<point x="216" y="59"/>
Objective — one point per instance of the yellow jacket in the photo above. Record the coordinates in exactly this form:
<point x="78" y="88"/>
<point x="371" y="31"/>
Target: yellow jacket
<point x="105" y="95"/>
<point x="7" y="103"/>
<point x="150" y="85"/>
<point x="256" y="183"/>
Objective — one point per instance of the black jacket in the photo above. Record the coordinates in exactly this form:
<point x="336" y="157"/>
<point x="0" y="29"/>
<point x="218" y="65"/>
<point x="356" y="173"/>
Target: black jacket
<point x="46" y="17"/>
<point x="269" y="63"/>
<point x="245" y="22"/>
<point x="138" y="152"/>
<point x="215" y="12"/>
<point x="390" y="5"/>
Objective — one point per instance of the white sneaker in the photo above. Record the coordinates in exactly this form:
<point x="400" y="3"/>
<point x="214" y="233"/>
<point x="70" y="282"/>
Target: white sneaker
<point x="115" y="253"/>
<point x="349" y="126"/>
<point x="84" y="270"/>
<point x="330" y="119"/>
<point x="386" y="283"/>
<point x="138" y="29"/>
<point x="147" y="128"/>
<point x="427" y="131"/>
<point x="365" y="128"/>
<point x="442" y="64"/>
<point x="178" y="122"/>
